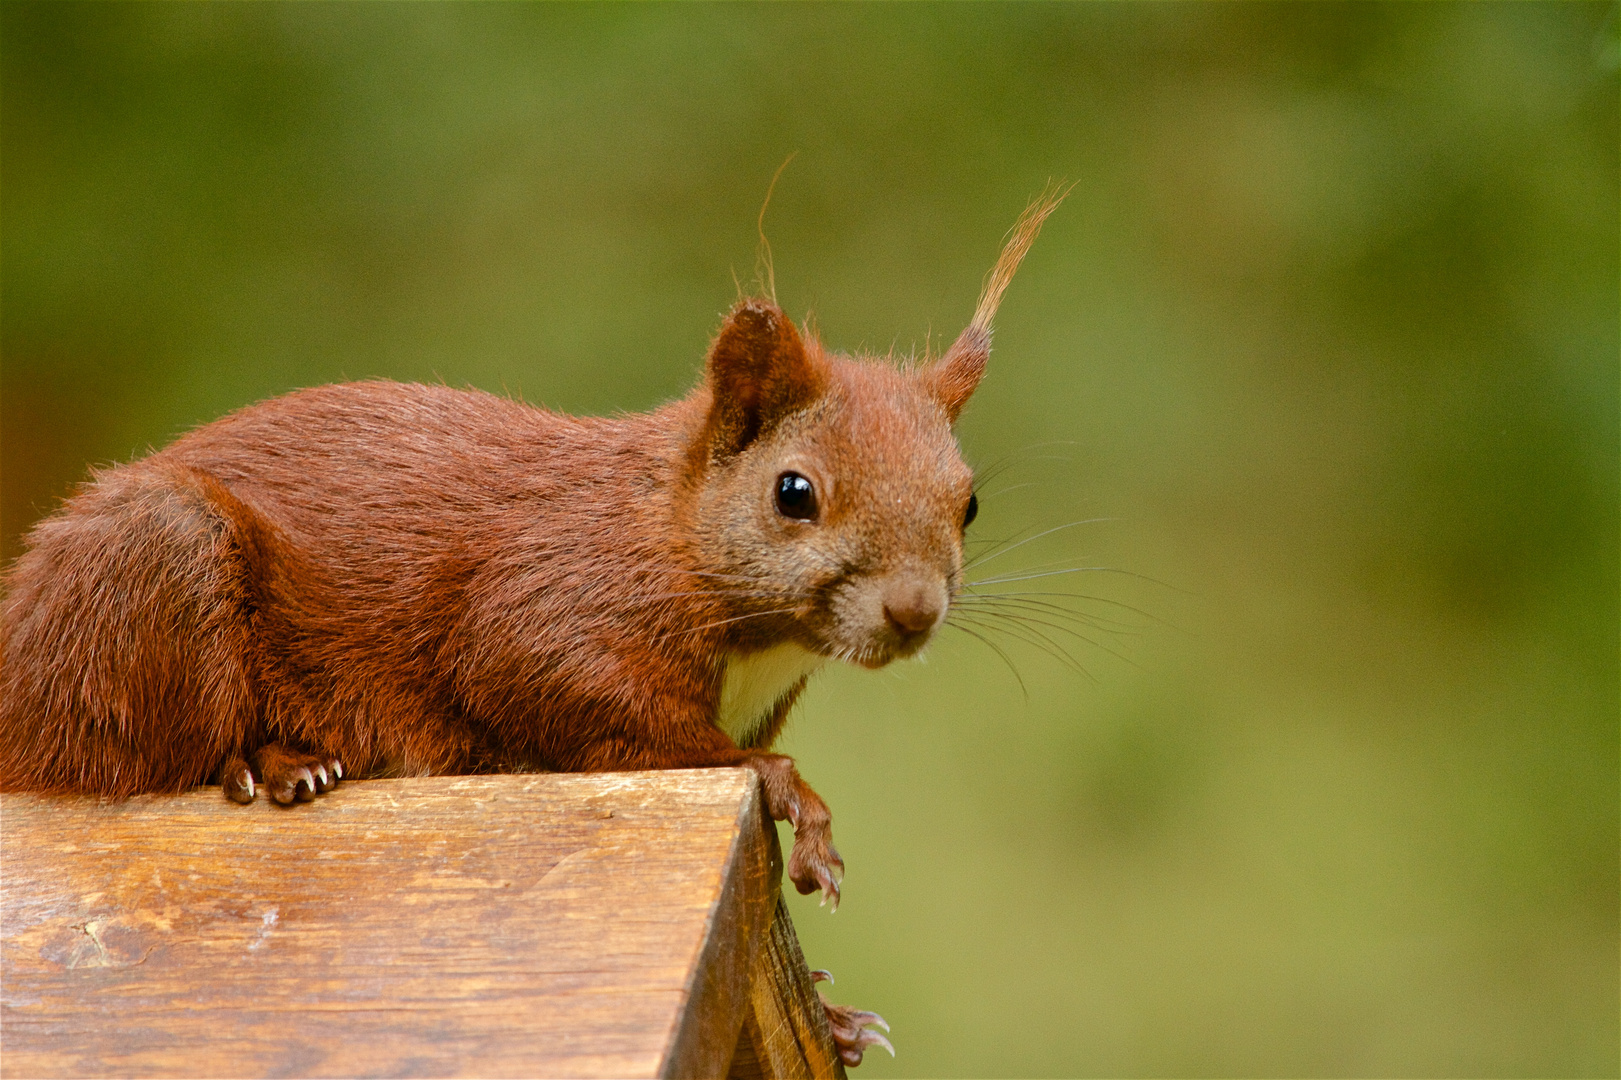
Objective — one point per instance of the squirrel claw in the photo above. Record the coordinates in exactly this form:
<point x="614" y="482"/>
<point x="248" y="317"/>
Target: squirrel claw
<point x="821" y="975"/>
<point x="302" y="787"/>
<point x="861" y="1018"/>
<point x="852" y="1031"/>
<point x="852" y="1054"/>
<point x="239" y="786"/>
<point x="328" y="774"/>
<point x="290" y="776"/>
<point x="830" y="892"/>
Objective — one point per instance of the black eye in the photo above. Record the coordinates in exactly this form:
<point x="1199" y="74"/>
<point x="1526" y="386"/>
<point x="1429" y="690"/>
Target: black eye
<point x="796" y="498"/>
<point x="972" y="512"/>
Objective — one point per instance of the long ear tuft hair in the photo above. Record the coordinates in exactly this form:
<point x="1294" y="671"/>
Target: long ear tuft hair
<point x="954" y="377"/>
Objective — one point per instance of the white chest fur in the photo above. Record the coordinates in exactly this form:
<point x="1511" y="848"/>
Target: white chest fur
<point x="753" y="683"/>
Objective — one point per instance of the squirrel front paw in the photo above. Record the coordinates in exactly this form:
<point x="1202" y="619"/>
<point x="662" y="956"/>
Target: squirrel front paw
<point x="815" y="864"/>
<point x="290" y="776"/>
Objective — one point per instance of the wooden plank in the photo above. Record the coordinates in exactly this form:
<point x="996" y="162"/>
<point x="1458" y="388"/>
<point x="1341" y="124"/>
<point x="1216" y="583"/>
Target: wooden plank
<point x="545" y="925"/>
<point x="740" y="929"/>
<point x="785" y="1030"/>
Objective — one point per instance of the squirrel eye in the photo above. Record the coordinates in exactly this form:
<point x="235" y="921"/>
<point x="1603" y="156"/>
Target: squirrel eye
<point x="796" y="498"/>
<point x="972" y="512"/>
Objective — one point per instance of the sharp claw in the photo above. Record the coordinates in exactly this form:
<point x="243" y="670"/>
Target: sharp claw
<point x="860" y="1018"/>
<point x="242" y="790"/>
<point x="852" y="1031"/>
<point x="337" y="768"/>
<point x="872" y="1038"/>
<point x="822" y="975"/>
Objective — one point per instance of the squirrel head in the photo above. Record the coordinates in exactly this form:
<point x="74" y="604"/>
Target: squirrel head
<point x="832" y="494"/>
<point x="829" y="495"/>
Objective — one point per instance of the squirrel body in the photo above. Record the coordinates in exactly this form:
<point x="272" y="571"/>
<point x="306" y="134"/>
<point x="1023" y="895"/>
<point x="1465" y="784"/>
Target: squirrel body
<point x="392" y="579"/>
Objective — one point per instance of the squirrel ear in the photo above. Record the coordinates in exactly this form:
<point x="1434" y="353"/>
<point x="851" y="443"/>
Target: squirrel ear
<point x="758" y="371"/>
<point x="951" y="379"/>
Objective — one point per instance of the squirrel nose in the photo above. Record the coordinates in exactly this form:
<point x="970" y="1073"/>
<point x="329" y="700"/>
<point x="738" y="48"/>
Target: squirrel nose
<point x="913" y="607"/>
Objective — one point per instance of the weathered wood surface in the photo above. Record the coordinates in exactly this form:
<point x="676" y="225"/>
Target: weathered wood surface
<point x="545" y="925"/>
<point x="785" y="1029"/>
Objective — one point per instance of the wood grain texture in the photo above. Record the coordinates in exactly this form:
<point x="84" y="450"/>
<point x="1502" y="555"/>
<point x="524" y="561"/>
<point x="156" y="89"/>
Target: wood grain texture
<point x="785" y="1030"/>
<point x="545" y="925"/>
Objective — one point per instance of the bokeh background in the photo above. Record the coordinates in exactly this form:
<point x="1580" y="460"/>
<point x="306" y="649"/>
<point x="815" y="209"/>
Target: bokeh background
<point x="1326" y="336"/>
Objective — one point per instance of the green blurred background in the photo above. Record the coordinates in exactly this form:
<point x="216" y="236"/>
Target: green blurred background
<point x="1327" y="333"/>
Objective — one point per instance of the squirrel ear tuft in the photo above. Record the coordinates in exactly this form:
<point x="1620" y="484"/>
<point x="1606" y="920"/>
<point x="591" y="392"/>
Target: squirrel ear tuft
<point x="951" y="379"/>
<point x="758" y="372"/>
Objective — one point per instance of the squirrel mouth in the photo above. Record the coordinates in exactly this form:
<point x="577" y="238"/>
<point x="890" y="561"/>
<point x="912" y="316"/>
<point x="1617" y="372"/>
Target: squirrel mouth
<point x="885" y="650"/>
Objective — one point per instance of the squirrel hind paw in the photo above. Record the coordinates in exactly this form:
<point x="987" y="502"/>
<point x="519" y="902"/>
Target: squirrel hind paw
<point x="852" y="1031"/>
<point x="291" y="776"/>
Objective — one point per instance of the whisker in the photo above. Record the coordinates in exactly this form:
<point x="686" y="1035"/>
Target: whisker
<point x="1046" y="564"/>
<point x="1024" y="619"/>
<point x="1022" y="606"/>
<point x="1028" y="625"/>
<point x="1072" y="595"/>
<point x="1006" y="461"/>
<point x="1031" y="539"/>
<point x="1003" y="491"/>
<point x="999" y="652"/>
<point x="994" y="545"/>
<point x="726" y="594"/>
<point x="1031" y="577"/>
<point x="1034" y="599"/>
<point x="991" y="472"/>
<point x="1035" y="639"/>
<point x="1077" y="596"/>
<point x="723" y="622"/>
<point x="991" y="547"/>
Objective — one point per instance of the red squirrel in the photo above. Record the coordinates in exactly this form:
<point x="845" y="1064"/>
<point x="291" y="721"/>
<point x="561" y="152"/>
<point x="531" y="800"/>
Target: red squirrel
<point x="386" y="579"/>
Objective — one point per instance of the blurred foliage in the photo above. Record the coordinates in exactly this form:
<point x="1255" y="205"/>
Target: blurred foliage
<point x="1327" y="334"/>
